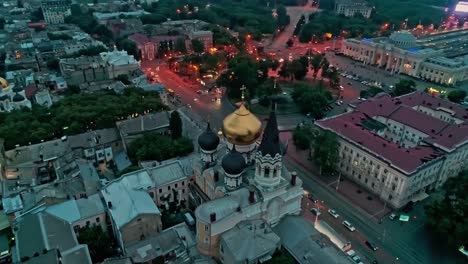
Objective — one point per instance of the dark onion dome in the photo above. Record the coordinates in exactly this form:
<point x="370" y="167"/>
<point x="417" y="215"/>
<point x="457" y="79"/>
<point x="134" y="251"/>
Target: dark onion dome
<point x="4" y="97"/>
<point x="208" y="140"/>
<point x="233" y="163"/>
<point x="18" y="97"/>
<point x="17" y="89"/>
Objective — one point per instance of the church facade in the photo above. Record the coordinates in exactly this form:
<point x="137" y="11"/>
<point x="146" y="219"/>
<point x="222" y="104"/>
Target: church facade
<point x="249" y="182"/>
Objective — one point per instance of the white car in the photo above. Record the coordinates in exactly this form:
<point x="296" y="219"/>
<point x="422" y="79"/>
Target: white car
<point x="333" y="213"/>
<point x="349" y="226"/>
<point x="341" y="88"/>
<point x="349" y="76"/>
<point x="392" y="216"/>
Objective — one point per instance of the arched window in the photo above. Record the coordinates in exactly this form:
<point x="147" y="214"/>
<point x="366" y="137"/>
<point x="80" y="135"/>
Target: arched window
<point x="267" y="172"/>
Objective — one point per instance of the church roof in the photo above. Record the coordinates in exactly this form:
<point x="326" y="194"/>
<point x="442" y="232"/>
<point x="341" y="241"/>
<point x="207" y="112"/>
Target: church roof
<point x="270" y="142"/>
<point x="18" y="97"/>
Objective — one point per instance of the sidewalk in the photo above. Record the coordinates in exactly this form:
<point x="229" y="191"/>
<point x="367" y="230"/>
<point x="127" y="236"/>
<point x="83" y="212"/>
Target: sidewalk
<point x="347" y="189"/>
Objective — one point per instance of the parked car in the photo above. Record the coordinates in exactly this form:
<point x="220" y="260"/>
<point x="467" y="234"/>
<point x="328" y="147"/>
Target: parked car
<point x="349" y="83"/>
<point x="199" y="92"/>
<point x="333" y="213"/>
<point x="371" y="246"/>
<point x="357" y="259"/>
<point x="315" y="211"/>
<point x="349" y="226"/>
<point x="341" y="88"/>
<point x="392" y="216"/>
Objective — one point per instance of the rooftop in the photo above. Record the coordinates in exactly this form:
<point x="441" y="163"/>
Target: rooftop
<point x="297" y="237"/>
<point x="410" y="111"/>
<point x="73" y="211"/>
<point x="144" y="123"/>
<point x="250" y="240"/>
<point x="127" y="202"/>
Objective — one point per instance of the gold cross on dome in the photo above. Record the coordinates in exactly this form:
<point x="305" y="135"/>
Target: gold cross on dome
<point x="243" y="88"/>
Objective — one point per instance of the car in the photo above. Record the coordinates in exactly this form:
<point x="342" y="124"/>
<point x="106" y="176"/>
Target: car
<point x="315" y="211"/>
<point x="341" y="88"/>
<point x="333" y="213"/>
<point x="338" y="103"/>
<point x="349" y="83"/>
<point x="371" y="246"/>
<point x="392" y="216"/>
<point x="349" y="76"/>
<point x="199" y="92"/>
<point x="357" y="259"/>
<point x="349" y="226"/>
<point x="195" y="99"/>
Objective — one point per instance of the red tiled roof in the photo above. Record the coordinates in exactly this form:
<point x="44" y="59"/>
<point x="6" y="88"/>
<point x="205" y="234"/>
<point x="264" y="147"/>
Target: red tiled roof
<point x="400" y="109"/>
<point x="417" y="120"/>
<point x="406" y="160"/>
<point x="433" y="102"/>
<point x="29" y="91"/>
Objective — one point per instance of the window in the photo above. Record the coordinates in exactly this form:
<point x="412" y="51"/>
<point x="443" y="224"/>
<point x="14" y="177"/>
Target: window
<point x="206" y="227"/>
<point x="151" y="194"/>
<point x="176" y="185"/>
<point x="183" y="190"/>
<point x="168" y="188"/>
<point x="139" y="220"/>
<point x="98" y="219"/>
<point x="267" y="172"/>
<point x="160" y="190"/>
<point x="390" y="197"/>
<point x="183" y="183"/>
<point x="87" y="223"/>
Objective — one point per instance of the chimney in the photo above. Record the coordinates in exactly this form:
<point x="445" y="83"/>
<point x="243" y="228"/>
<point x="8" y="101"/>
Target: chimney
<point x="251" y="194"/>
<point x="293" y="178"/>
<point x="216" y="175"/>
<point x="109" y="204"/>
<point x="212" y="217"/>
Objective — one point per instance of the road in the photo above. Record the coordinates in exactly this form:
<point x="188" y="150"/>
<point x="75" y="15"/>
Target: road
<point x="295" y="13"/>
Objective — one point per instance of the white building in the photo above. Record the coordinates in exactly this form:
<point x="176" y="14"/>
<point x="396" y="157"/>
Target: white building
<point x="438" y="58"/>
<point x="119" y="63"/>
<point x="349" y="8"/>
<point x="400" y="148"/>
<point x="55" y="11"/>
<point x="250" y="183"/>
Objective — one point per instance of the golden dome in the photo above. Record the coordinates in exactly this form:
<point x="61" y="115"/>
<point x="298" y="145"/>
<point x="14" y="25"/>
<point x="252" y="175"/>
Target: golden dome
<point x="241" y="127"/>
<point x="4" y="83"/>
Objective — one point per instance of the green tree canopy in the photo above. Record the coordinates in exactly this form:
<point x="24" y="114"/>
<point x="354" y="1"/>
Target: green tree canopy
<point x="447" y="218"/>
<point x="175" y="125"/>
<point x="456" y="96"/>
<point x="303" y="136"/>
<point x="153" y="146"/>
<point x="404" y="86"/>
<point x="99" y="242"/>
<point x="53" y="64"/>
<point x="129" y="46"/>
<point x="311" y="99"/>
<point x="197" y="46"/>
<point x="180" y="46"/>
<point x="326" y="151"/>
<point x="94" y="111"/>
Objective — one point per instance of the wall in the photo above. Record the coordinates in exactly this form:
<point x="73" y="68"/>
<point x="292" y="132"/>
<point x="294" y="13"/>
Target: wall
<point x="143" y="225"/>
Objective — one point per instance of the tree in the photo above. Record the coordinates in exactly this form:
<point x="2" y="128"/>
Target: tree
<point x="242" y="70"/>
<point x="446" y="218"/>
<point x="298" y="69"/>
<point x="53" y="64"/>
<point x="311" y="99"/>
<point x="123" y="78"/>
<point x="282" y="18"/>
<point x="180" y="46"/>
<point x="316" y="62"/>
<point x="326" y="153"/>
<point x="129" y="46"/>
<point x="153" y="146"/>
<point x="456" y="96"/>
<point x="175" y="125"/>
<point x="2" y="23"/>
<point x="98" y="241"/>
<point x="302" y="136"/>
<point x="198" y="46"/>
<point x="404" y="87"/>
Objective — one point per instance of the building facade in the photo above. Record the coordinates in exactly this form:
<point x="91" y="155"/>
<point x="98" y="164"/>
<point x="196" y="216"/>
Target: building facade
<point x="349" y="8"/>
<point x="55" y="11"/>
<point x="401" y="148"/>
<point x="427" y="58"/>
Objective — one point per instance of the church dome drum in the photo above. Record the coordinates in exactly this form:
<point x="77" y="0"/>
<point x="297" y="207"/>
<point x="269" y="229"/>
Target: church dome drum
<point x="241" y="127"/>
<point x="233" y="163"/>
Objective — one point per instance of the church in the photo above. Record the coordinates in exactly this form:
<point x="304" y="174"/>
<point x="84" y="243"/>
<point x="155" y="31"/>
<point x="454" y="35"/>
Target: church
<point x="243" y="178"/>
<point x="12" y="97"/>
